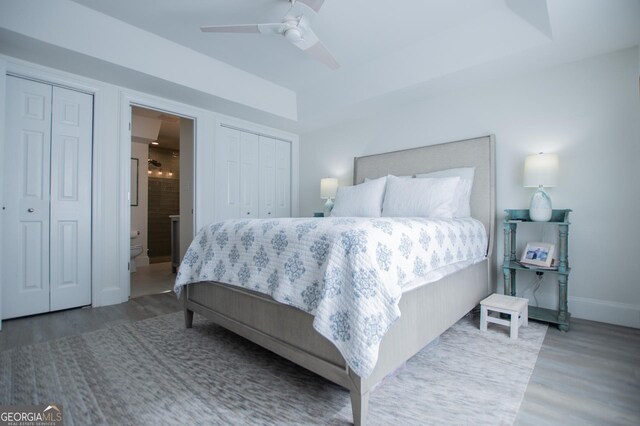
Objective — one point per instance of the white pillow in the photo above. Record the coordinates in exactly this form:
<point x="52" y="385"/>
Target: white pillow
<point x="420" y="197"/>
<point x="364" y="200"/>
<point x="462" y="206"/>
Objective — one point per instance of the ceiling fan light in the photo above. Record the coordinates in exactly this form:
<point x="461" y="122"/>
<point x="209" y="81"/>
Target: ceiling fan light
<point x="293" y="34"/>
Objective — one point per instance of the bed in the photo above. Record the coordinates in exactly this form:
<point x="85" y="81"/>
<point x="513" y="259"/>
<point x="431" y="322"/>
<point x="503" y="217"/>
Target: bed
<point x="427" y="311"/>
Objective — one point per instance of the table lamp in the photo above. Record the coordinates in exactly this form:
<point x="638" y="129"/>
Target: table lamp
<point x="328" y="189"/>
<point x="540" y="171"/>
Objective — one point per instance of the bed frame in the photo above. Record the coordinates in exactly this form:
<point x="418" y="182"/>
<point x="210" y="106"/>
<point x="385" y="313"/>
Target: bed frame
<point x="427" y="311"/>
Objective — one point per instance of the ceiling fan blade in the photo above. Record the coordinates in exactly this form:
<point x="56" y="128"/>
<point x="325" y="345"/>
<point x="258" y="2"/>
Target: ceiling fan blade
<point x="315" y="5"/>
<point x="250" y="28"/>
<point x="244" y="29"/>
<point x="271" y="28"/>
<point x="320" y="53"/>
<point x="312" y="45"/>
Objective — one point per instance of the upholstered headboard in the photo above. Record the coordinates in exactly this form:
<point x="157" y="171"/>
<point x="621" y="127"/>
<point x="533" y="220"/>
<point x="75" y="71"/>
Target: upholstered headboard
<point x="477" y="152"/>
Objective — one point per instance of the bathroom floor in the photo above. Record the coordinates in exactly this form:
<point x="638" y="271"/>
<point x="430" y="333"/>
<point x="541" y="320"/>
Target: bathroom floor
<point x="153" y="279"/>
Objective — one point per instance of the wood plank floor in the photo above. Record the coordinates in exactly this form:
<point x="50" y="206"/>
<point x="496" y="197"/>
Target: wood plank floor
<point x="590" y="375"/>
<point x="41" y="328"/>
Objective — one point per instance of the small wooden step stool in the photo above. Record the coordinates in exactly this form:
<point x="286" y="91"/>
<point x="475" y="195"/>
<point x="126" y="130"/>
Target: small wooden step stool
<point x="517" y="307"/>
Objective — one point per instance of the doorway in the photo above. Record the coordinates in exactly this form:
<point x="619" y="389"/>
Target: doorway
<point x="160" y="193"/>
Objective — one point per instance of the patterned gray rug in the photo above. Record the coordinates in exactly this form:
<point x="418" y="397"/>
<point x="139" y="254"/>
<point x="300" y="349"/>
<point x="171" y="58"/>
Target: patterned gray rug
<point x="157" y="372"/>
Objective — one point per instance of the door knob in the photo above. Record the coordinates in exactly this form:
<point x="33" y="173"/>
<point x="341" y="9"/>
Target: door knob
<point x="30" y="210"/>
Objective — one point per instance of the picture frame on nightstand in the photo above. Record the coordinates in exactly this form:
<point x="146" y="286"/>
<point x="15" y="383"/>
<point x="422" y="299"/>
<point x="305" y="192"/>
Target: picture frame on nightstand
<point x="538" y="254"/>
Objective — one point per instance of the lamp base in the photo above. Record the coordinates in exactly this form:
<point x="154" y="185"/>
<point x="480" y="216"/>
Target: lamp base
<point x="540" y="209"/>
<point x="328" y="206"/>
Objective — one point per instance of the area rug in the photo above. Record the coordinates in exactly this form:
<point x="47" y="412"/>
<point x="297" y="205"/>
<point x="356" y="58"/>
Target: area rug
<point x="155" y="371"/>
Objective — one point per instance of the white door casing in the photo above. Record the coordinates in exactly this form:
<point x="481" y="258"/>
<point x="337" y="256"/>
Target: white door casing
<point x="71" y="145"/>
<point x="25" y="271"/>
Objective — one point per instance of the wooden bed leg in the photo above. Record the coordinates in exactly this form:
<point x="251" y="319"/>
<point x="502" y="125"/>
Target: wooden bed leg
<point x="360" y="407"/>
<point x="188" y="318"/>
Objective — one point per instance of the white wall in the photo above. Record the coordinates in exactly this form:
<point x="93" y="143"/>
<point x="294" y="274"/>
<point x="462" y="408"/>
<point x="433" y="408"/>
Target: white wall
<point x="140" y="213"/>
<point x="587" y="112"/>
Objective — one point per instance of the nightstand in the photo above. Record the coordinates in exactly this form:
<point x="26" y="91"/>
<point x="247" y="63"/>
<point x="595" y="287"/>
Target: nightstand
<point x="559" y="218"/>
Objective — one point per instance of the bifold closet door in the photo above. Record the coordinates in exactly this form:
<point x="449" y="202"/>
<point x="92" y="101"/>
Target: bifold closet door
<point x="253" y="175"/>
<point x="275" y="178"/>
<point x="71" y="136"/>
<point x="283" y="179"/>
<point x="46" y="216"/>
<point x="249" y="175"/>
<point x="25" y="214"/>
<point x="227" y="173"/>
<point x="267" y="177"/>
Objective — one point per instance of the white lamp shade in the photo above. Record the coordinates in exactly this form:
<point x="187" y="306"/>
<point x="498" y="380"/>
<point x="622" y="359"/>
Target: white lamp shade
<point x="328" y="188"/>
<point x="541" y="170"/>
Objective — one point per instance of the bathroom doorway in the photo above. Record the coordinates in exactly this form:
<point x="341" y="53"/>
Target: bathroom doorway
<point x="157" y="141"/>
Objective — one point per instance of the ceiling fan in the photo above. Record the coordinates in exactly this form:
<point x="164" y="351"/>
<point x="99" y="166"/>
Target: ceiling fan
<point x="294" y="27"/>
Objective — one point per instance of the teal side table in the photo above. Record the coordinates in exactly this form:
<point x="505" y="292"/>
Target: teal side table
<point x="561" y="316"/>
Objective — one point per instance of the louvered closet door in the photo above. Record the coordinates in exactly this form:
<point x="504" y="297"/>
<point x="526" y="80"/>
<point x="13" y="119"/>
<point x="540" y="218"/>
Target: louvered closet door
<point x="71" y="136"/>
<point x="25" y="215"/>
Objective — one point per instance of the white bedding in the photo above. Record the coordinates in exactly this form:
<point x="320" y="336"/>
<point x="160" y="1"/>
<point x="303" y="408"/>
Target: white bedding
<point x="349" y="273"/>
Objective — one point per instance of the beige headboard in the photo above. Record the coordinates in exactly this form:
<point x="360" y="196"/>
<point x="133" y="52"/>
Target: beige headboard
<point x="477" y="152"/>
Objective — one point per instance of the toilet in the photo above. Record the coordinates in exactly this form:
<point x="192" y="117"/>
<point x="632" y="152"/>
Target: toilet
<point x="136" y="250"/>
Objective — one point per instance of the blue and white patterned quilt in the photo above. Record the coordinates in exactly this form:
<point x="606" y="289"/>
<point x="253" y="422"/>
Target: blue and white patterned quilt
<point x="346" y="272"/>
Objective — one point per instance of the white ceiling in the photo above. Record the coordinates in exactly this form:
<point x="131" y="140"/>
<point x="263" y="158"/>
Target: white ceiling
<point x="355" y="31"/>
<point x="391" y="52"/>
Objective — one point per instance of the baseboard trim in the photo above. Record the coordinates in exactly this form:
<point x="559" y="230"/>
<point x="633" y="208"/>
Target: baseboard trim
<point x="617" y="313"/>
